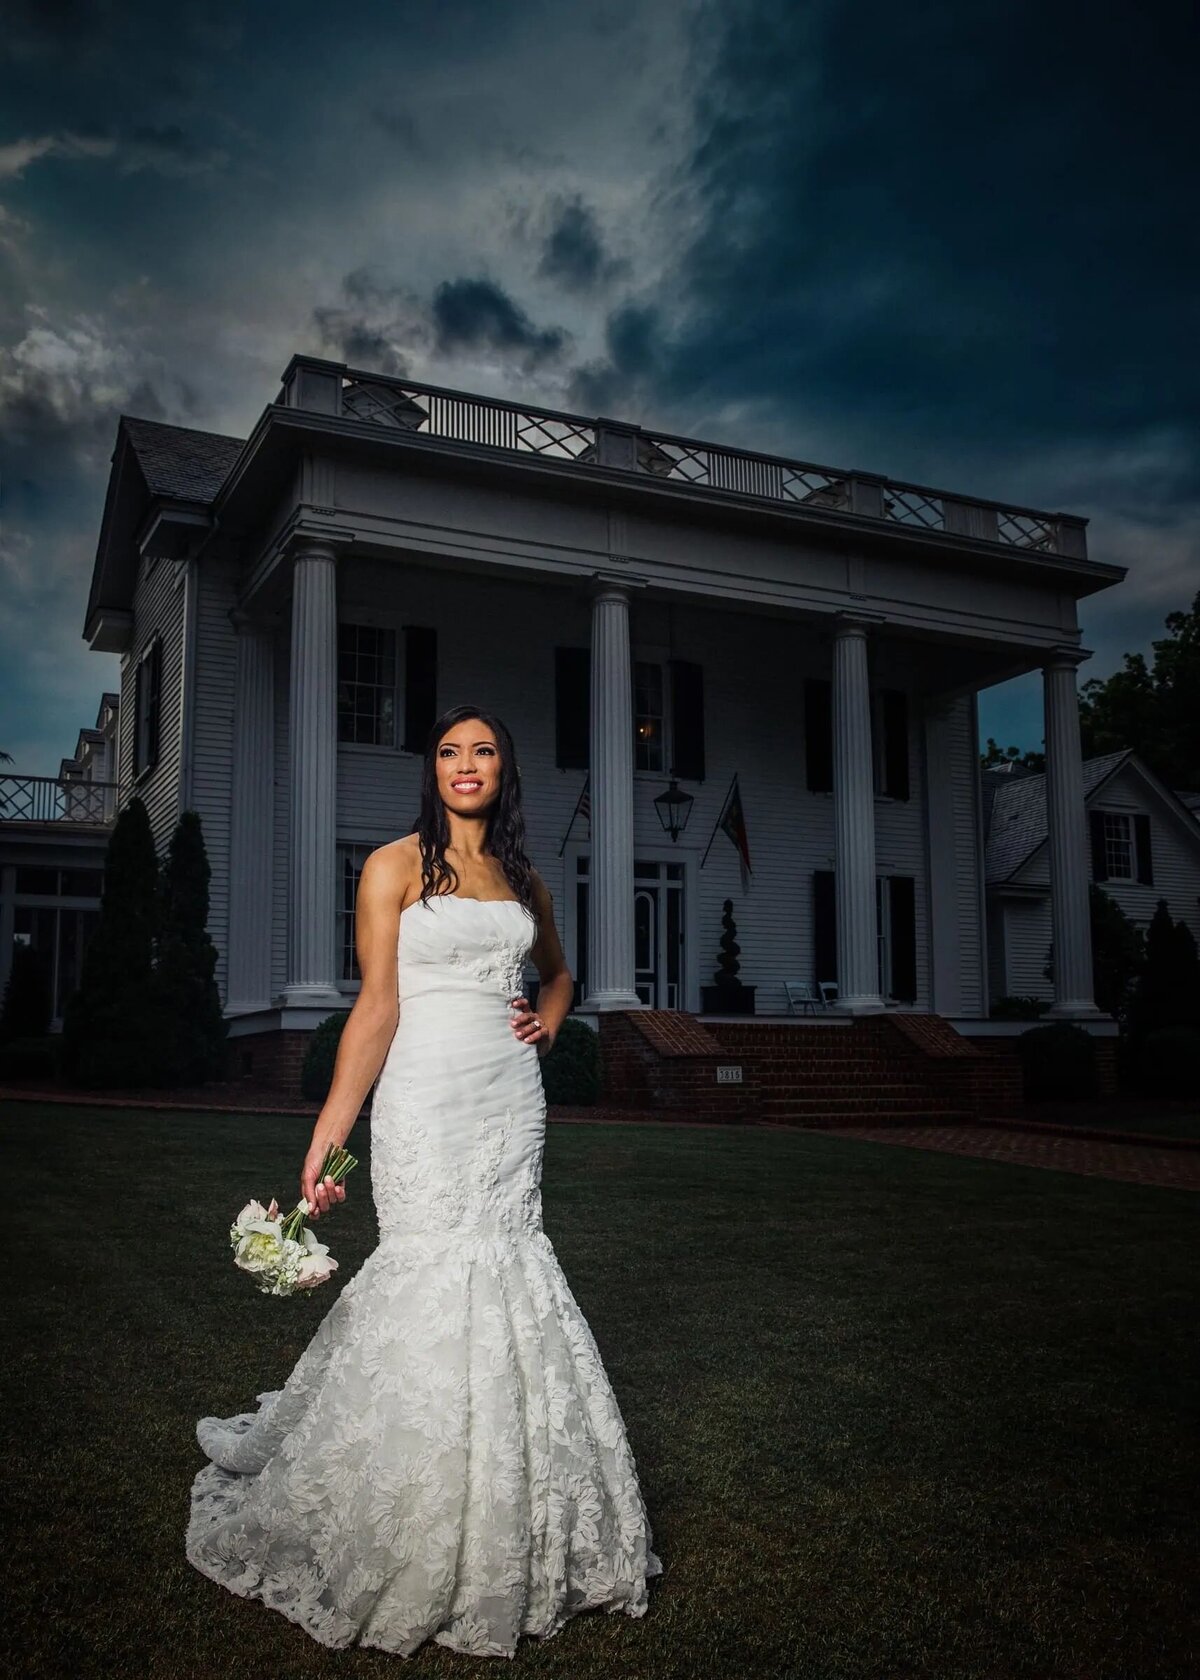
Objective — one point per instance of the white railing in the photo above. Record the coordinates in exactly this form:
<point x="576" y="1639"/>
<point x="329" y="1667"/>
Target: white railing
<point x="58" y="799"/>
<point x="489" y="423"/>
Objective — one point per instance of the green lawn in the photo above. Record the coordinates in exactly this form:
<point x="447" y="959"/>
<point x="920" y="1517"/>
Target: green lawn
<point x="895" y="1413"/>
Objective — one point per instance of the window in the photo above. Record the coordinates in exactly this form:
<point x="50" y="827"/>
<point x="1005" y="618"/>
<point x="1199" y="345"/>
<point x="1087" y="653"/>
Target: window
<point x="350" y="859"/>
<point x="366" y="684"/>
<point x="649" y="716"/>
<point x="1121" y="849"/>
<point x="147" y="696"/>
<point x="1118" y="847"/>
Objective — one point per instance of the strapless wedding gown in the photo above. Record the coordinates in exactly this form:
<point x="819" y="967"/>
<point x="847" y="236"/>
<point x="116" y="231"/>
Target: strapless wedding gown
<point x="447" y="1459"/>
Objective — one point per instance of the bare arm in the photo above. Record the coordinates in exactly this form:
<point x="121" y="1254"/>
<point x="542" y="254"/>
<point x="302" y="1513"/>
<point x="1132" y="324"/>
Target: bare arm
<point x="370" y="1026"/>
<point x="557" y="989"/>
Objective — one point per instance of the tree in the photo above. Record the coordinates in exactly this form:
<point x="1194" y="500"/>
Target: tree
<point x="1118" y="953"/>
<point x="1151" y="708"/>
<point x="1028" y="760"/>
<point x="107" y="1026"/>
<point x="190" y="1045"/>
<point x="1168" y="992"/>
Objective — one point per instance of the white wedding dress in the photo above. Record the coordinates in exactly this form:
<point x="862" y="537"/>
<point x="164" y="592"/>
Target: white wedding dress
<point x="447" y="1459"/>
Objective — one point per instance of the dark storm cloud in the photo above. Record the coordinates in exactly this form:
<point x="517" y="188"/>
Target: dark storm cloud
<point x="961" y="219"/>
<point x="473" y="315"/>
<point x="636" y="343"/>
<point x="574" y="252"/>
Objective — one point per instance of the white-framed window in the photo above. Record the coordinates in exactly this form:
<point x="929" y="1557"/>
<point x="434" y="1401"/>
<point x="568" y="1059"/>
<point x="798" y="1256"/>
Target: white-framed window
<point x="367" y="683"/>
<point x="650" y="715"/>
<point x="351" y="855"/>
<point x="1118" y="846"/>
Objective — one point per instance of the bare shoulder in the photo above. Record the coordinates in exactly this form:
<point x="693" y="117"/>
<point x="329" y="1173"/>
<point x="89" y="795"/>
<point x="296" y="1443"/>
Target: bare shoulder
<point x="541" y="892"/>
<point x="395" y="869"/>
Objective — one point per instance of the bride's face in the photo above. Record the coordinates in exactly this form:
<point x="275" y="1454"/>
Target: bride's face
<point x="468" y="767"/>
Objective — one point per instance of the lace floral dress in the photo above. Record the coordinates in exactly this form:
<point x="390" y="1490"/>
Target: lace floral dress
<point x="447" y="1460"/>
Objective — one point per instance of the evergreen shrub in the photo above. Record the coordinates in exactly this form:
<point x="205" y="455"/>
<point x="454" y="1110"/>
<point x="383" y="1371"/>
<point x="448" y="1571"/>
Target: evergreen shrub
<point x="320" y="1055"/>
<point x="1059" y="1060"/>
<point x="571" y="1071"/>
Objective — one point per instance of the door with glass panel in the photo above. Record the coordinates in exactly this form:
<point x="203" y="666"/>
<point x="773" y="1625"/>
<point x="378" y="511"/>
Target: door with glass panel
<point x="658" y="923"/>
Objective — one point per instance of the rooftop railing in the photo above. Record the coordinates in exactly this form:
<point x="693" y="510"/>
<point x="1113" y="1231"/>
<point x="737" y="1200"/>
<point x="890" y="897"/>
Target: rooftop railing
<point x="58" y="799"/>
<point x="458" y="416"/>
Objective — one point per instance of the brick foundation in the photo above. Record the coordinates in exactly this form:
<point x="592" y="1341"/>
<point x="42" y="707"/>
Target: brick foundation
<point x="663" y="1060"/>
<point x="272" y="1059"/>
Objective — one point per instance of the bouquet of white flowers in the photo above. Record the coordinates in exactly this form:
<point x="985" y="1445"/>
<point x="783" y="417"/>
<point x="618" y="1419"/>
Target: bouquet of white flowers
<point x="282" y="1254"/>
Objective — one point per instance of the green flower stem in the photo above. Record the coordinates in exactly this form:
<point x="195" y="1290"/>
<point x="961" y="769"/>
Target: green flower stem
<point x="338" y="1162"/>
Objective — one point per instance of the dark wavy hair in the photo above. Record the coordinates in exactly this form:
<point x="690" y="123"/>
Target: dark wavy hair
<point x="506" y="820"/>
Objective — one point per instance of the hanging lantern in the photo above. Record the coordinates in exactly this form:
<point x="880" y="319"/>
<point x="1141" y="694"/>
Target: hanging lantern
<point x="674" y="807"/>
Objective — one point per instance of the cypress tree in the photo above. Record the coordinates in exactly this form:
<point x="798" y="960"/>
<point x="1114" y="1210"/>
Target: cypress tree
<point x="107" y="1024"/>
<point x="186" y="1003"/>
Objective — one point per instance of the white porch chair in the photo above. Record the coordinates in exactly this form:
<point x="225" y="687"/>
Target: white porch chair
<point x="803" y="997"/>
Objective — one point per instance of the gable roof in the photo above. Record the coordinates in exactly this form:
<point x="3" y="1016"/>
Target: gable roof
<point x="1015" y="811"/>
<point x="175" y="461"/>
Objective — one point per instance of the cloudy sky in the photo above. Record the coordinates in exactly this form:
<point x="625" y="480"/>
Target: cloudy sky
<point x="952" y="241"/>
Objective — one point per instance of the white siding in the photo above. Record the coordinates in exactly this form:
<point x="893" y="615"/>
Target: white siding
<point x="212" y="736"/>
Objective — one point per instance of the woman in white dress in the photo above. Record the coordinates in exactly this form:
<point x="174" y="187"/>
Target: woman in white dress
<point x="447" y="1459"/>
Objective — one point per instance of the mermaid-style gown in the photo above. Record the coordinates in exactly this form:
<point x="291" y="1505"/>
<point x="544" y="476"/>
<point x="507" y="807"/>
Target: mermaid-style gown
<point x="447" y="1459"/>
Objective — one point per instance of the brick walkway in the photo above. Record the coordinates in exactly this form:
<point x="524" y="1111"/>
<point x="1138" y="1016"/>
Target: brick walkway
<point x="1136" y="1163"/>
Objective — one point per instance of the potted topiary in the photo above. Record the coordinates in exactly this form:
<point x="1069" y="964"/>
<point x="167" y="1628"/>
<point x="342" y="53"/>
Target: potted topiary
<point x="727" y="995"/>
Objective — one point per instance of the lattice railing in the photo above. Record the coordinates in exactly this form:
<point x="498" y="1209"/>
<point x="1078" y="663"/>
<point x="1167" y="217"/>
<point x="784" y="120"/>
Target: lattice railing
<point x="489" y="423"/>
<point x="55" y="799"/>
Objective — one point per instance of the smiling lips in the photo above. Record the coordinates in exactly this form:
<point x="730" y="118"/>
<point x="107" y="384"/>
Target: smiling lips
<point x="466" y="786"/>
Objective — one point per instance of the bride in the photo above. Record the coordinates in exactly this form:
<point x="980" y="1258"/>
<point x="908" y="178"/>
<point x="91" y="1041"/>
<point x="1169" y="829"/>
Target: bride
<point x="447" y="1459"/>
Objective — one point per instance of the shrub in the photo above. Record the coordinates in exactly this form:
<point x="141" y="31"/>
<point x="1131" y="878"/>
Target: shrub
<point x="320" y="1055"/>
<point x="1059" y="1060"/>
<point x="1017" y="1008"/>
<point x="1167" y="1062"/>
<point x="25" y="1057"/>
<point x="571" y="1071"/>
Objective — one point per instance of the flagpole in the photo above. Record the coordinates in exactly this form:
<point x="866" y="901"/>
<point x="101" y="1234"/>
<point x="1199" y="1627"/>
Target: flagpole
<point x="574" y="813"/>
<point x="720" y="814"/>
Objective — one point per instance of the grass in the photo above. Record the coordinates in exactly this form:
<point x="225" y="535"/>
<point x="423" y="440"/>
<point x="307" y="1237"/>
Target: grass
<point x="895" y="1413"/>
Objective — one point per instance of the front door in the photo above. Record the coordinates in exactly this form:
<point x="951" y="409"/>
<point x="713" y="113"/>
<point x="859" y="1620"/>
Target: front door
<point x="658" y="923"/>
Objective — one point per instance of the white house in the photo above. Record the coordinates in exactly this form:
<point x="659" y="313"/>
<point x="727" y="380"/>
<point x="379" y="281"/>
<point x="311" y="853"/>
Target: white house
<point x="1144" y="844"/>
<point x="293" y="610"/>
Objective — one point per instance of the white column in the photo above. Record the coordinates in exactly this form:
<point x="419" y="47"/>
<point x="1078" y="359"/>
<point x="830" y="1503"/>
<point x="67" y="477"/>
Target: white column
<point x="854" y="822"/>
<point x="312" y="756"/>
<point x="251" y="819"/>
<point x="943" y="720"/>
<point x="1067" y="823"/>
<point x="610" y="873"/>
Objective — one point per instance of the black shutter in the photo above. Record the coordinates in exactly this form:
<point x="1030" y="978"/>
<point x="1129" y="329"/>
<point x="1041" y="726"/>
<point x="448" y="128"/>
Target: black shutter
<point x="1145" y="863"/>
<point x="895" y="743"/>
<point x="1096" y="828"/>
<point x="824" y="926"/>
<point x="902" y="898"/>
<point x="687" y="720"/>
<point x="420" y="685"/>
<point x="155" y="702"/>
<point x="818" y="735"/>
<point x="572" y="707"/>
